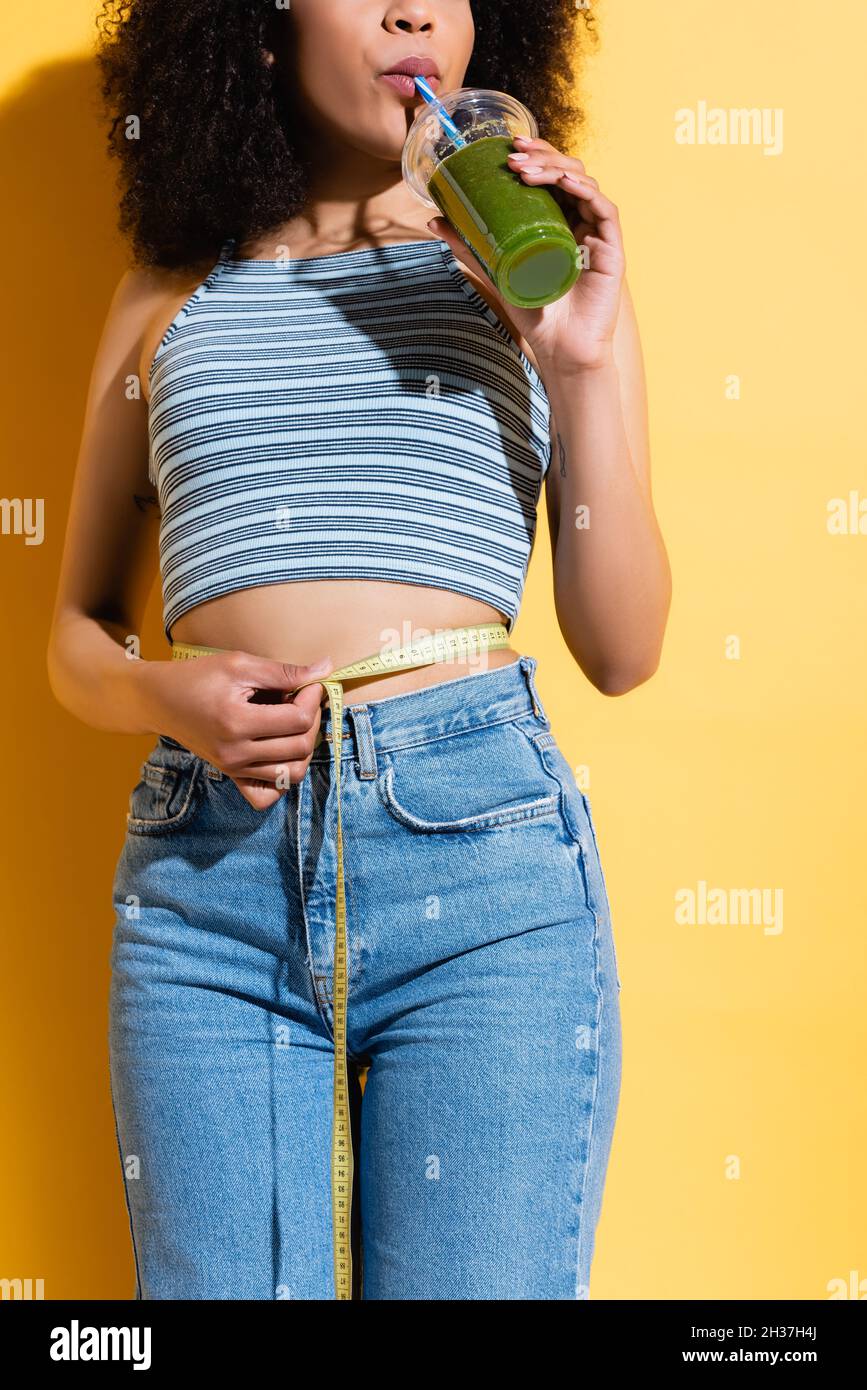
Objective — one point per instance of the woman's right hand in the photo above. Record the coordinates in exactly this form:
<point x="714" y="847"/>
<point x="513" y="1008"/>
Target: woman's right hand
<point x="238" y="712"/>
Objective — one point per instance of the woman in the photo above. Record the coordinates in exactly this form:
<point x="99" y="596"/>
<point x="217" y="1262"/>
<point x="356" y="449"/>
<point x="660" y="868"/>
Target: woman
<point x="336" y="451"/>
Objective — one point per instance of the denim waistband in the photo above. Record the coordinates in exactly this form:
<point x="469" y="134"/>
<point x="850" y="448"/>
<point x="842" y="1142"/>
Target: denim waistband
<point x="449" y="707"/>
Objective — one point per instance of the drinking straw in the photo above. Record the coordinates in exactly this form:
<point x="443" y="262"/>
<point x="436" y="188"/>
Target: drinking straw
<point x="430" y="96"/>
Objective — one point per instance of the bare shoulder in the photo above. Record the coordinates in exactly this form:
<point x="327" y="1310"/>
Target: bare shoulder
<point x="145" y="303"/>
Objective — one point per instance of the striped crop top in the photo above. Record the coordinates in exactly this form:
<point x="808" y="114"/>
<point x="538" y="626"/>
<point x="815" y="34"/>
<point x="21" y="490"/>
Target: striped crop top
<point x="364" y="415"/>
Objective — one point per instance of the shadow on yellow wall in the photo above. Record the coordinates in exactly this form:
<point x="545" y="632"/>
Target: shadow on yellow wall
<point x="63" y="1215"/>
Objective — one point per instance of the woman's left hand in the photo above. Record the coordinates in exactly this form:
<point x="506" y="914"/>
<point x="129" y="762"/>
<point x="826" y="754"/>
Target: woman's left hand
<point x="577" y="330"/>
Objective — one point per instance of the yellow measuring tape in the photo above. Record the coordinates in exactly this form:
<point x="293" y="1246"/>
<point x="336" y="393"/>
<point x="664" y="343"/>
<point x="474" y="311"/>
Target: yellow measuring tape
<point x="459" y="643"/>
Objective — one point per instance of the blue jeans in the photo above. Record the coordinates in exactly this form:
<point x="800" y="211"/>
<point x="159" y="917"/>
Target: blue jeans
<point x="483" y="1000"/>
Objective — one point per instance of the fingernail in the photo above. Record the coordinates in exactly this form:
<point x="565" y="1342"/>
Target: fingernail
<point x="513" y="155"/>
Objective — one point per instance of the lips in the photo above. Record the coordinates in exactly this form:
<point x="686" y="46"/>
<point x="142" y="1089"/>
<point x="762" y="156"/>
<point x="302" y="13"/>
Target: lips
<point x="400" y="75"/>
<point x="405" y="84"/>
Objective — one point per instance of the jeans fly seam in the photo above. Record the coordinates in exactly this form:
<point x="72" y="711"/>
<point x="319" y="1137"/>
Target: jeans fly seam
<point x="311" y="968"/>
<point x="351" y="975"/>
<point x="283" y="968"/>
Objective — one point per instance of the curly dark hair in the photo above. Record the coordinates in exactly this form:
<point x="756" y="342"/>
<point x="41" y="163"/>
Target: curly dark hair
<point x="219" y="158"/>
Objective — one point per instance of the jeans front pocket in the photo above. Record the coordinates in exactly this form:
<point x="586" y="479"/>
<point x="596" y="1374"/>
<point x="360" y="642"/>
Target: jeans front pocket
<point x="475" y="821"/>
<point x="168" y="793"/>
<point x="578" y="820"/>
<point x="482" y="779"/>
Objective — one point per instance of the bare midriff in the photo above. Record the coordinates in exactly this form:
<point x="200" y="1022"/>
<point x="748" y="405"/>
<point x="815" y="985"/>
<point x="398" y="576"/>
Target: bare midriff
<point x="344" y="619"/>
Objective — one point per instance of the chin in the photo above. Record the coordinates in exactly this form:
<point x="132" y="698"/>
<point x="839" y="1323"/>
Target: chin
<point x="387" y="146"/>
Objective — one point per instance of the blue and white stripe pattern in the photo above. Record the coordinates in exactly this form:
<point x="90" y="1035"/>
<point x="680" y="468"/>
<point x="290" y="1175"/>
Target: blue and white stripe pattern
<point x="364" y="415"/>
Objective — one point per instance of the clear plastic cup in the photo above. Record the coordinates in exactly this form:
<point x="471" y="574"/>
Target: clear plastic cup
<point x="517" y="231"/>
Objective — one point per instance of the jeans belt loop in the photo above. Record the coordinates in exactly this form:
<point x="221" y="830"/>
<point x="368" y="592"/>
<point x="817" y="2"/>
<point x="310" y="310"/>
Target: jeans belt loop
<point x="365" y="749"/>
<point x="528" y="666"/>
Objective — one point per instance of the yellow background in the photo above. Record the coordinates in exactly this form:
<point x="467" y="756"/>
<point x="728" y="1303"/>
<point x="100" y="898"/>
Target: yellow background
<point x="744" y="1052"/>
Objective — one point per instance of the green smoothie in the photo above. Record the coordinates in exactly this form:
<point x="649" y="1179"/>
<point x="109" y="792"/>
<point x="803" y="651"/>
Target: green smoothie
<point x="517" y="231"/>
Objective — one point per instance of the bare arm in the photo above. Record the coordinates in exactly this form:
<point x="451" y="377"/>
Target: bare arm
<point x="612" y="580"/>
<point x="110" y="553"/>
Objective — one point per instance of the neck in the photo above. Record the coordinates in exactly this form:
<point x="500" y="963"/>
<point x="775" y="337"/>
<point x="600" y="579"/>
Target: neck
<point x="351" y="197"/>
